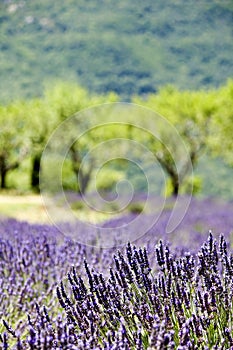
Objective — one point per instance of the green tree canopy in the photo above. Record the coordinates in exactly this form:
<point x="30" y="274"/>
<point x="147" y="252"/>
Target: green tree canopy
<point x="14" y="141"/>
<point x="191" y="113"/>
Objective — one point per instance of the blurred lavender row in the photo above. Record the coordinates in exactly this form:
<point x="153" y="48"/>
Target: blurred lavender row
<point x="202" y="215"/>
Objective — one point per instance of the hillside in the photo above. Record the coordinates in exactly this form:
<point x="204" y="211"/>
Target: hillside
<point x="130" y="47"/>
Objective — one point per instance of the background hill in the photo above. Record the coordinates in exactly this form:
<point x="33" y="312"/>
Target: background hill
<point x="130" y="47"/>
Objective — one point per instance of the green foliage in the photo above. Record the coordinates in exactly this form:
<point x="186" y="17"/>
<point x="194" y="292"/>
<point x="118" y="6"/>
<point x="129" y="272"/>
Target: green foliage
<point x="19" y="178"/>
<point x="107" y="179"/>
<point x="194" y="186"/>
<point x="203" y="119"/>
<point x="126" y="47"/>
<point x="135" y="207"/>
<point x="192" y="113"/>
<point x="66" y="99"/>
<point x="14" y="143"/>
<point x="77" y="205"/>
<point x="12" y="119"/>
<point x="216" y="177"/>
<point x="221" y="142"/>
<point x="69" y="181"/>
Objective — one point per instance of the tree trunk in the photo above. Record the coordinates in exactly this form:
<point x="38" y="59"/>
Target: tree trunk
<point x="3" y="171"/>
<point x="83" y="178"/>
<point x="175" y="187"/>
<point x="170" y="168"/>
<point x="83" y="181"/>
<point x="35" y="174"/>
<point x="3" y="178"/>
<point x="5" y="168"/>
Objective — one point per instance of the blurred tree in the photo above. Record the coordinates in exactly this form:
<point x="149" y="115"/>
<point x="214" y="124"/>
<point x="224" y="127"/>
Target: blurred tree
<point x="66" y="100"/>
<point x="221" y="140"/>
<point x="14" y="143"/>
<point x="191" y="114"/>
<point x="41" y="122"/>
<point x="202" y="118"/>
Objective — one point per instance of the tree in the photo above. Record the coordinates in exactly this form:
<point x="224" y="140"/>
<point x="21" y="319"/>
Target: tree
<point x="190" y="113"/>
<point x="14" y="144"/>
<point x="66" y="100"/>
<point x="44" y="115"/>
<point x="220" y="140"/>
<point x="41" y="121"/>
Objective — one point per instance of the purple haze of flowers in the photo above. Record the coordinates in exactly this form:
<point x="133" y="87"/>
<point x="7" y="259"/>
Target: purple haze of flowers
<point x="150" y="294"/>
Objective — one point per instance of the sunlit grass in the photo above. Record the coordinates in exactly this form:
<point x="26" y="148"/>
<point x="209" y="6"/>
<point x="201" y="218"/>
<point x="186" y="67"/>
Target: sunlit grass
<point x="31" y="208"/>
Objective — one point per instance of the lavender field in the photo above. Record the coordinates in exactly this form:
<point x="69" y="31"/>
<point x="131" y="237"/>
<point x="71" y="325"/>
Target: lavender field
<point x="116" y="157"/>
<point x="162" y="291"/>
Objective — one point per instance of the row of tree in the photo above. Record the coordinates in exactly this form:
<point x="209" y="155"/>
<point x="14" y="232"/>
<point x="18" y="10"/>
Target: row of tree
<point x="204" y="120"/>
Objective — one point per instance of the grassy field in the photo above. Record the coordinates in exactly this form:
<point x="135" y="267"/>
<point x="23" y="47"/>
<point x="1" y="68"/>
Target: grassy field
<point x="32" y="209"/>
<point x="27" y="207"/>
